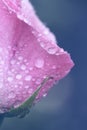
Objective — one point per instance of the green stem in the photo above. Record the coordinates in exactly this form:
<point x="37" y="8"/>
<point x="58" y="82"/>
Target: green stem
<point x="24" y="108"/>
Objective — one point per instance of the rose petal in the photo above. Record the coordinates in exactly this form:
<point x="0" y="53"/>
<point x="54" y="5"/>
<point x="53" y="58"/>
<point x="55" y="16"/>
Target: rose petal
<point x="28" y="54"/>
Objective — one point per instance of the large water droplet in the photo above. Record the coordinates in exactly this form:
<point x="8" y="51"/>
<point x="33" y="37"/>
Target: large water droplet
<point x="26" y="87"/>
<point x="39" y="35"/>
<point x="10" y="79"/>
<point x="46" y="32"/>
<point x="45" y="94"/>
<point x="1" y="86"/>
<point x="17" y="104"/>
<point x="31" y="68"/>
<point x="11" y="95"/>
<point x="39" y="63"/>
<point x="51" y="50"/>
<point x="18" y="76"/>
<point x="30" y="91"/>
<point x="42" y="44"/>
<point x="61" y="50"/>
<point x="28" y="77"/>
<point x="23" y="67"/>
<point x="20" y="58"/>
<point x="38" y="81"/>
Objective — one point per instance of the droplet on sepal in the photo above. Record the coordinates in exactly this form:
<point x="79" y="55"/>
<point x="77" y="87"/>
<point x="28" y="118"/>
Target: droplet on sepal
<point x="21" y="109"/>
<point x="45" y="94"/>
<point x="39" y="63"/>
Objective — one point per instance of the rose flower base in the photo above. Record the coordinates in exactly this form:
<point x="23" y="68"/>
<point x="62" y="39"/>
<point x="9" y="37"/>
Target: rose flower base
<point x="30" y="59"/>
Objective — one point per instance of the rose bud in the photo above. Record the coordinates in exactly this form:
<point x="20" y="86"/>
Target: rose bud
<point x="30" y="59"/>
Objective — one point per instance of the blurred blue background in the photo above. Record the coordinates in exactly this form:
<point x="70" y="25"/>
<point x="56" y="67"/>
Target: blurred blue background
<point x="65" y="107"/>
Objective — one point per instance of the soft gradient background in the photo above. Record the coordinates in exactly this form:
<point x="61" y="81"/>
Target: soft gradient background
<point x="65" y="107"/>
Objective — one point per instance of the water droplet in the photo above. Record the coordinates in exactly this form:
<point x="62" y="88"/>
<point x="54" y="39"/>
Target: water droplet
<point x="11" y="95"/>
<point x="31" y="68"/>
<point x="61" y="50"/>
<point x="12" y="70"/>
<point x="17" y="103"/>
<point x="10" y="12"/>
<point x="33" y="32"/>
<point x="30" y="91"/>
<point x="27" y="86"/>
<point x="33" y="79"/>
<point x="28" y="77"/>
<point x="12" y="62"/>
<point x="26" y="71"/>
<point x="18" y="76"/>
<point x="18" y="63"/>
<point x="39" y="63"/>
<point x="16" y="86"/>
<point x="39" y="35"/>
<point x="20" y="58"/>
<point x="1" y="86"/>
<point x="10" y="79"/>
<point x="46" y="32"/>
<point x="38" y="81"/>
<point x="20" y="83"/>
<point x="51" y="50"/>
<point x="0" y="49"/>
<point x="23" y="67"/>
<point x="2" y="62"/>
<point x="25" y="60"/>
<point x="38" y="39"/>
<point x="26" y="21"/>
<point x="45" y="94"/>
<point x="54" y="67"/>
<point x="42" y="44"/>
<point x="57" y="53"/>
<point x="4" y="109"/>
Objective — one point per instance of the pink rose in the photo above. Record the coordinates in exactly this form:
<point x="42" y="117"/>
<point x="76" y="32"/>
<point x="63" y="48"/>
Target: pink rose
<point x="29" y="55"/>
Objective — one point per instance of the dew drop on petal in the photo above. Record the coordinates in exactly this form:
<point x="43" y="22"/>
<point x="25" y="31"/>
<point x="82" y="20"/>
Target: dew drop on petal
<point x="31" y="68"/>
<point x="16" y="86"/>
<point x="26" y="87"/>
<point x="11" y="95"/>
<point x="10" y="79"/>
<point x="0" y="49"/>
<point x="42" y="44"/>
<point x="12" y="62"/>
<point x="39" y="63"/>
<point x="23" y="67"/>
<point x="51" y="50"/>
<point x="30" y="91"/>
<point x="46" y="32"/>
<point x="40" y="35"/>
<point x="53" y="67"/>
<point x="61" y="50"/>
<point x="17" y="103"/>
<point x="1" y="86"/>
<point x="38" y="81"/>
<point x="45" y="94"/>
<point x="28" y="77"/>
<point x="20" y="58"/>
<point x="18" y="76"/>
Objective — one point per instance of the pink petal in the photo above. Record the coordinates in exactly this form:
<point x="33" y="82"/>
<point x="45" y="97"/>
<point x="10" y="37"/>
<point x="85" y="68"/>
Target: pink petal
<point x="28" y="54"/>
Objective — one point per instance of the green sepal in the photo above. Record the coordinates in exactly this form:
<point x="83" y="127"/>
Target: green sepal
<point x="24" y="108"/>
